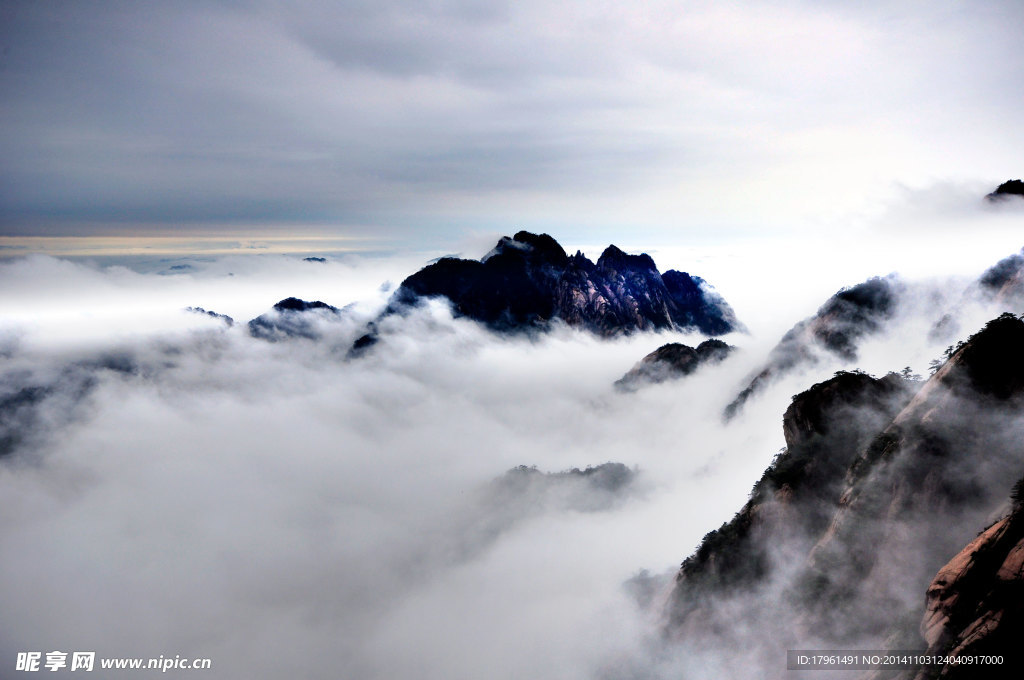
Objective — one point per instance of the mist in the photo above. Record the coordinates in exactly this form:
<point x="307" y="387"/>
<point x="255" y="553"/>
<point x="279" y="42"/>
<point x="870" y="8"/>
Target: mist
<point x="453" y="502"/>
<point x="176" y="486"/>
<point x="193" y="490"/>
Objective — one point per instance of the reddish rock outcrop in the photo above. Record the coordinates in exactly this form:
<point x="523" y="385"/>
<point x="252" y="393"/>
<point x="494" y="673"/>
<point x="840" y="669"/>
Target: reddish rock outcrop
<point x="975" y="605"/>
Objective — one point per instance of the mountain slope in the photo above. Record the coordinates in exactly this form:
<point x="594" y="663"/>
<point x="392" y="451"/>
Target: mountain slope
<point x="874" y="493"/>
<point x="825" y="429"/>
<point x="845" y="318"/>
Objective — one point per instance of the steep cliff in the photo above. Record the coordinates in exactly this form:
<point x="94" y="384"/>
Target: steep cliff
<point x="825" y="429"/>
<point x="925" y="482"/>
<point x="842" y="536"/>
<point x="975" y="604"/>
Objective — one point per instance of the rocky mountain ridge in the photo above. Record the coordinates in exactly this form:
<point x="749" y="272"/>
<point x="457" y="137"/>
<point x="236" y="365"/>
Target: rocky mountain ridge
<point x="880" y="484"/>
<point x="847" y="317"/>
<point x="528" y="281"/>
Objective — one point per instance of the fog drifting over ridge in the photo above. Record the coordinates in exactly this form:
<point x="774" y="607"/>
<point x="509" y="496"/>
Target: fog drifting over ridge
<point x="175" y="486"/>
<point x="251" y="483"/>
<point x="187" y="489"/>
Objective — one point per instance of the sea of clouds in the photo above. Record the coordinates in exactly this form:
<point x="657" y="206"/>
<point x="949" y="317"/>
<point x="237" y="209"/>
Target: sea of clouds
<point x="175" y="486"/>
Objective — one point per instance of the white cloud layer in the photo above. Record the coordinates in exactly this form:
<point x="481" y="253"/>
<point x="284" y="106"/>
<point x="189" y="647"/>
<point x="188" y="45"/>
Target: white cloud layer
<point x="183" y="488"/>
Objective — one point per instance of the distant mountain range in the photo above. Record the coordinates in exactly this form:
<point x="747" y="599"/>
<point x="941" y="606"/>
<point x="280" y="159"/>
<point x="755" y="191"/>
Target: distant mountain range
<point x="527" y="283"/>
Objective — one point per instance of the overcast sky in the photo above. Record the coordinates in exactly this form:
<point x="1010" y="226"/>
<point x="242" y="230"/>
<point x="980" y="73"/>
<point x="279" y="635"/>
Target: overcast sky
<point x="424" y="121"/>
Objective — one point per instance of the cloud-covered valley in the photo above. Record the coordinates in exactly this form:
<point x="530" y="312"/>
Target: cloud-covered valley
<point x="173" y="485"/>
<point x="194" y="490"/>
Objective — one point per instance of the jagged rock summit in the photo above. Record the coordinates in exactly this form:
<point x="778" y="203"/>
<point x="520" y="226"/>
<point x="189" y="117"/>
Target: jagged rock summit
<point x="528" y="281"/>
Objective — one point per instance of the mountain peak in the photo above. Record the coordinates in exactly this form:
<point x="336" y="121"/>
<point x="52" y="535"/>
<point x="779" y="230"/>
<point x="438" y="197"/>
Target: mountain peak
<point x="292" y="318"/>
<point x="673" y="360"/>
<point x="1013" y="187"/>
<point x="613" y="258"/>
<point x="294" y="304"/>
<point x="540" y="247"/>
<point x="527" y="282"/>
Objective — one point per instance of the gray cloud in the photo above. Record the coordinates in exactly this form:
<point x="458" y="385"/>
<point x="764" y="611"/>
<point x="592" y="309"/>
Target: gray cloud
<point x="380" y="116"/>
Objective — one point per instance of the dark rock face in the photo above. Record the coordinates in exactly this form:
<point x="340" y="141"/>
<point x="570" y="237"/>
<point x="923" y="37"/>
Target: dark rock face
<point x="872" y="496"/>
<point x="1013" y="187"/>
<point x="528" y="280"/>
<point x="847" y="317"/>
<point x="292" y="318"/>
<point x="673" y="360"/>
<point x="1001" y="286"/>
<point x="825" y="428"/>
<point x="364" y="342"/>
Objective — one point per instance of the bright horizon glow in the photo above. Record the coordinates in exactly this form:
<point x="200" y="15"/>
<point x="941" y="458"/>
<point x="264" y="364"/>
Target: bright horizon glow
<point x="243" y="243"/>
